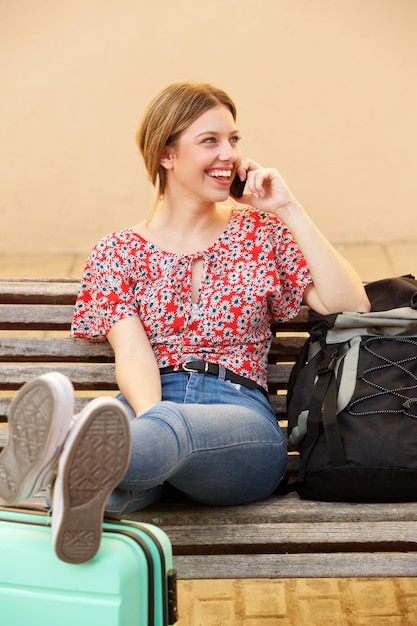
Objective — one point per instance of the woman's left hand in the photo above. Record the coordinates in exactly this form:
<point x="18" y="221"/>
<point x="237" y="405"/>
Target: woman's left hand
<point x="264" y="189"/>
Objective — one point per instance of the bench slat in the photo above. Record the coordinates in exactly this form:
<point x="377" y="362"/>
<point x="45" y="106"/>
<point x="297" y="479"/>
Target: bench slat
<point x="283" y="510"/>
<point x="83" y="378"/>
<point x="54" y="349"/>
<point x="15" y="375"/>
<point x="294" y="537"/>
<point x="79" y="404"/>
<point x="285" y="348"/>
<point x="342" y="565"/>
<point x="299" y="322"/>
<point x="35" y="316"/>
<point x="48" y="291"/>
<point x="278" y="374"/>
<point x="61" y="348"/>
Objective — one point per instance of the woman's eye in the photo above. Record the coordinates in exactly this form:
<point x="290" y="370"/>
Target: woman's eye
<point x="234" y="139"/>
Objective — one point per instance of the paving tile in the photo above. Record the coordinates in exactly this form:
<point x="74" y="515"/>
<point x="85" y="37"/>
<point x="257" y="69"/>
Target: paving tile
<point x="265" y="621"/>
<point x="264" y="598"/>
<point x="315" y="600"/>
<point x="371" y="261"/>
<point x="408" y="586"/>
<point x="208" y="588"/>
<point x="320" y="612"/>
<point x="215" y="612"/>
<point x="403" y="257"/>
<point x="375" y="596"/>
<point x="78" y="265"/>
<point x="203" y="602"/>
<point x="409" y="609"/>
<point x="377" y="620"/>
<point x="317" y="587"/>
<point x="41" y="266"/>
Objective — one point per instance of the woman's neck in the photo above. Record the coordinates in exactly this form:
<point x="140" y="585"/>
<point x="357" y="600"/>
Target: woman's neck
<point x="185" y="231"/>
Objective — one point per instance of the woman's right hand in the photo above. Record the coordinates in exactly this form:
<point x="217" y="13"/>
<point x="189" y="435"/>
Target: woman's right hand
<point x="267" y="190"/>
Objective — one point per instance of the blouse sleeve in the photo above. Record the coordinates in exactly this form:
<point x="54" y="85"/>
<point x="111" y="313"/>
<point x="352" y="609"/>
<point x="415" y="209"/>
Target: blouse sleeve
<point x="294" y="275"/>
<point x="106" y="293"/>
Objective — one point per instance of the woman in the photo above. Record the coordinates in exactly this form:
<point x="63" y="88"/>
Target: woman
<point x="186" y="299"/>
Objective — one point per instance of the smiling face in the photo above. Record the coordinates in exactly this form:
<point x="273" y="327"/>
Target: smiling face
<point x="202" y="162"/>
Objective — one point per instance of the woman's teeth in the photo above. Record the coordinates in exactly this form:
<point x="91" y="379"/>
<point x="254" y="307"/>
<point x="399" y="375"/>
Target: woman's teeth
<point x="220" y="174"/>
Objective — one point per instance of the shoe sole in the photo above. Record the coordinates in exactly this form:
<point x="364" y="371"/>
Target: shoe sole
<point x="33" y="445"/>
<point x="94" y="460"/>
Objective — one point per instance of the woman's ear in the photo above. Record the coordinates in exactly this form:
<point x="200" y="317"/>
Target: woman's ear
<point x="167" y="157"/>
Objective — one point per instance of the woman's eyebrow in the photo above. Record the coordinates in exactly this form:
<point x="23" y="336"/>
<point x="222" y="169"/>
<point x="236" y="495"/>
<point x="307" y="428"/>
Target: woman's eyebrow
<point x="216" y="132"/>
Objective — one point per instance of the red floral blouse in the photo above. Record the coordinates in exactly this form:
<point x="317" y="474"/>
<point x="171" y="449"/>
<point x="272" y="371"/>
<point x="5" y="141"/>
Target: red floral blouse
<point x="252" y="274"/>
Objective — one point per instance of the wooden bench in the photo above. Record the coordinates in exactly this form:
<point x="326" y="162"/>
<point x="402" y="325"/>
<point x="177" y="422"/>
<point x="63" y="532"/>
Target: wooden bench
<point x="280" y="537"/>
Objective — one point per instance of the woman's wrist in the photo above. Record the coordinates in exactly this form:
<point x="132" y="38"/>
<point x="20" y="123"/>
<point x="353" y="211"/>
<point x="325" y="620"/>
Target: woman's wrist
<point x="290" y="213"/>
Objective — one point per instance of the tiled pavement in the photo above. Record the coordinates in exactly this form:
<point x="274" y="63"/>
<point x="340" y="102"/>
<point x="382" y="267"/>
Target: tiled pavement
<point x="299" y="602"/>
<point x="290" y="602"/>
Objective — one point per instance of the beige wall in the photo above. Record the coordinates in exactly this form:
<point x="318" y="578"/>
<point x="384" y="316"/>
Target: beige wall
<point x="326" y="91"/>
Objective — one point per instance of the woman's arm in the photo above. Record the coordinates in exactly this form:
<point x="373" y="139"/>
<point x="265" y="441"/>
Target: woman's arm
<point x="336" y="286"/>
<point x="137" y="371"/>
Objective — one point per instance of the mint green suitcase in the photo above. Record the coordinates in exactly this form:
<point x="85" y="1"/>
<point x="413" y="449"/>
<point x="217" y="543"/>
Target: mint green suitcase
<point x="130" y="582"/>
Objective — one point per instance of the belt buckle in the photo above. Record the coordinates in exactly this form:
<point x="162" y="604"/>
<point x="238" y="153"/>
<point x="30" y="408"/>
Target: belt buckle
<point x="186" y="368"/>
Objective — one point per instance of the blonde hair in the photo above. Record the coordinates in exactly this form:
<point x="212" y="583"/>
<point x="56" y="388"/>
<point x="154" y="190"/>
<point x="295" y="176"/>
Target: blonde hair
<point x="168" y="115"/>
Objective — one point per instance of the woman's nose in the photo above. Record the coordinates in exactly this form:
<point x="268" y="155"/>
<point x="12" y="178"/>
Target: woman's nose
<point x="227" y="152"/>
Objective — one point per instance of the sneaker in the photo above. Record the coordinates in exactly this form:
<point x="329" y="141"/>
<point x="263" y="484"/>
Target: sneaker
<point x="39" y="420"/>
<point x="94" y="460"/>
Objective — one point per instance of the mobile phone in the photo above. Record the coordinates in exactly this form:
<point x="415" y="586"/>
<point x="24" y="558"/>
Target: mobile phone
<point x="237" y="187"/>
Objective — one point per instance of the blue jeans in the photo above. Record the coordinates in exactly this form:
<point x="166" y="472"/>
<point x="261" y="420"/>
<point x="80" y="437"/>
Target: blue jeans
<point x="214" y="441"/>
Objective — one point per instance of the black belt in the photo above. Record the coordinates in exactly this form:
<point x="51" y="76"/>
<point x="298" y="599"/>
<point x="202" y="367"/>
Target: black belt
<point x="204" y="367"/>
